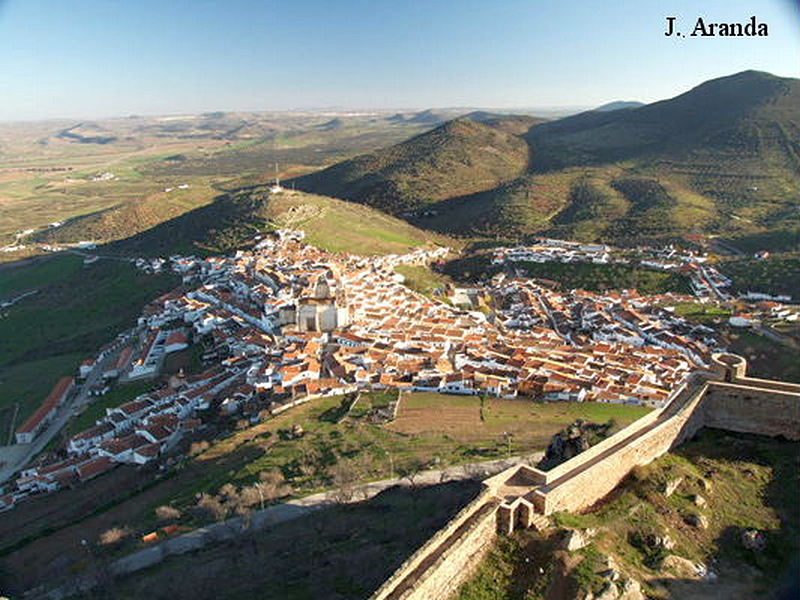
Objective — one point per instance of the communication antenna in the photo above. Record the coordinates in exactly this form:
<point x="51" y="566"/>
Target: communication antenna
<point x="276" y="187"/>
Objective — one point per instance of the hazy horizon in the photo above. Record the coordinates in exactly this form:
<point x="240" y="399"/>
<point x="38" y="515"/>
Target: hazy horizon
<point x="97" y="60"/>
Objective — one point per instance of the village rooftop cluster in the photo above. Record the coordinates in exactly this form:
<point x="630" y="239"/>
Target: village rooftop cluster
<point x="285" y="322"/>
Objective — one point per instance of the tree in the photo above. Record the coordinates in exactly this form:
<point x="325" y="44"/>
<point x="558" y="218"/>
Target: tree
<point x="211" y="508"/>
<point x="411" y="471"/>
<point x="270" y="486"/>
<point x="114" y="535"/>
<point x="345" y="477"/>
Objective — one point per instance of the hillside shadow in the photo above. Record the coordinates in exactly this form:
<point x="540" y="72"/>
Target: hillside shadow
<point x="339" y="552"/>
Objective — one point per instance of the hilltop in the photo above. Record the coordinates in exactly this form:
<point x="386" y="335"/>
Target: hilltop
<point x="618" y="105"/>
<point x="232" y="219"/>
<point x="721" y="159"/>
<point x="748" y="115"/>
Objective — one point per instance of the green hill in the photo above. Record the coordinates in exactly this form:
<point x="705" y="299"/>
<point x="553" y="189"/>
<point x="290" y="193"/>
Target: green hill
<point x="458" y="158"/>
<point x="721" y="159"/>
<point x="233" y="219"/>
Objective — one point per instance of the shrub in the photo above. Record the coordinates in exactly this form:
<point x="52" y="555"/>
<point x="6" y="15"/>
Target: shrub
<point x="114" y="535"/>
<point x="168" y="513"/>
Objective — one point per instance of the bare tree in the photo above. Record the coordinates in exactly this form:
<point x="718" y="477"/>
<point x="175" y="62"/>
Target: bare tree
<point x="114" y="535"/>
<point x="270" y="486"/>
<point x="411" y="471"/>
<point x="345" y="477"/>
<point x="211" y="508"/>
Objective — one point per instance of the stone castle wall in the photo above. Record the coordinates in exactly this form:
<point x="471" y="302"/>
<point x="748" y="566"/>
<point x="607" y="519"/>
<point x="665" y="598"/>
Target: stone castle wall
<point x="591" y="480"/>
<point x="746" y="409"/>
<point x="448" y="554"/>
<point x="725" y="398"/>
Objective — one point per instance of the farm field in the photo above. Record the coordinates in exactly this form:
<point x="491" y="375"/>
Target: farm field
<point x="471" y="420"/>
<point x="144" y="170"/>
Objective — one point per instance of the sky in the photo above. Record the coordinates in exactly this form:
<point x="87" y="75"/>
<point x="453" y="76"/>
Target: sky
<point x="104" y="58"/>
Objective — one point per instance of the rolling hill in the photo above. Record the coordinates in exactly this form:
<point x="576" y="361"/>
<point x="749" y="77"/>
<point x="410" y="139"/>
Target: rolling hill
<point x="748" y="114"/>
<point x="721" y="159"/>
<point x="460" y="157"/>
<point x="233" y="219"/>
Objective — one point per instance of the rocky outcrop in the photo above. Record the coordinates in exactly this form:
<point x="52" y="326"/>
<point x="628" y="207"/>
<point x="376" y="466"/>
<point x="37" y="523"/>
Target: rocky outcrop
<point x="575" y="539"/>
<point x="683" y="567"/>
<point x="573" y="440"/>
<point x="755" y="540"/>
<point x="671" y="485"/>
<point x="629" y="589"/>
<point x="698" y="521"/>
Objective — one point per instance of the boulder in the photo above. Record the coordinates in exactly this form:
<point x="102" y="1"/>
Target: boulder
<point x="660" y="542"/>
<point x="695" y="520"/>
<point x="753" y="539"/>
<point x="683" y="567"/>
<point x="631" y="590"/>
<point x="706" y="485"/>
<point x="577" y="539"/>
<point x="609" y="592"/>
<point x="611" y="575"/>
<point x="671" y="485"/>
<point x="698" y="500"/>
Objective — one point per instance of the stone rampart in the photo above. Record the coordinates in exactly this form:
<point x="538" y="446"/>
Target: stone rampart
<point x="588" y="481"/>
<point x="457" y="543"/>
<point x="748" y="409"/>
<point x="724" y="398"/>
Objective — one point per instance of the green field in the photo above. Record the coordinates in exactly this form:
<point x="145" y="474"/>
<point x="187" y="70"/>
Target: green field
<point x="587" y="276"/>
<point x="701" y="313"/>
<point x="97" y="409"/>
<point x="24" y="385"/>
<point x="767" y="358"/>
<point x="423" y="279"/>
<point x="17" y="278"/>
<point x="82" y="308"/>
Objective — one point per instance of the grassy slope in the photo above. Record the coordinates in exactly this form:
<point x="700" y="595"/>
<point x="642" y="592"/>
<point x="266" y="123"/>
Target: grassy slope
<point x="753" y="485"/>
<point x="339" y="226"/>
<point x="457" y="158"/>
<point x="720" y="159"/>
<point x="342" y="552"/>
<point x="233" y="219"/>
<point x="70" y="318"/>
<point x="372" y="451"/>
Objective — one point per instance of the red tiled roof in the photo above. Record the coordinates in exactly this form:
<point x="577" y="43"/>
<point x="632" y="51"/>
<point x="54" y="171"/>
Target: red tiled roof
<point x="94" y="467"/>
<point x="54" y="398"/>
